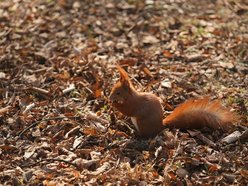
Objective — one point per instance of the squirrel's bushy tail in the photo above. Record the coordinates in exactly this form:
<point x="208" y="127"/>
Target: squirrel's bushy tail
<point x="199" y="113"/>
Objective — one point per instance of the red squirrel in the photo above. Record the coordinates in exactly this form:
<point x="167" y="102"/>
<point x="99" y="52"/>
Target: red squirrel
<point x="146" y="111"/>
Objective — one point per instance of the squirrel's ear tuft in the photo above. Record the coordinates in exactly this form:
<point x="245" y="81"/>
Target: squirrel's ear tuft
<point x="124" y="79"/>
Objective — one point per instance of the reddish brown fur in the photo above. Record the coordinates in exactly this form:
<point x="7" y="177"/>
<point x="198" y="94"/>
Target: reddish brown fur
<point x="148" y="112"/>
<point x="194" y="114"/>
<point x="139" y="105"/>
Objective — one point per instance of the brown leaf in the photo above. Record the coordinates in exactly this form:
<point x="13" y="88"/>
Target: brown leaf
<point x="195" y="58"/>
<point x="167" y="54"/>
<point x="147" y="71"/>
<point x="150" y="39"/>
<point x="172" y="176"/>
<point x="90" y="131"/>
<point x="244" y="173"/>
<point x="64" y="75"/>
<point x="85" y="164"/>
<point x="121" y="134"/>
<point x="98" y="93"/>
<point x="128" y="62"/>
<point x="214" y="167"/>
<point x="8" y="148"/>
<point x="49" y="183"/>
<point x="168" y="106"/>
<point x="182" y="173"/>
<point x="4" y="110"/>
<point x="101" y="169"/>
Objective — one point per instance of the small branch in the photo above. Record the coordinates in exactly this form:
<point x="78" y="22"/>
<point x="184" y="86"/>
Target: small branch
<point x="64" y="161"/>
<point x="5" y="109"/>
<point x="48" y="161"/>
<point x="94" y="117"/>
<point x="69" y="89"/>
<point x="199" y="135"/>
<point x="231" y="137"/>
<point x="46" y="69"/>
<point x="40" y="91"/>
<point x="167" y="167"/>
<point x="38" y="122"/>
<point x="28" y="108"/>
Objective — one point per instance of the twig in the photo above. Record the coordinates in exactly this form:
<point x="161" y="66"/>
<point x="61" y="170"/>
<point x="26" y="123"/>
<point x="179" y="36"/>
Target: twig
<point x="64" y="161"/>
<point x="174" y="157"/>
<point x="51" y="159"/>
<point x="69" y="89"/>
<point x="94" y="117"/>
<point x="98" y="120"/>
<point x="5" y="109"/>
<point x="40" y="91"/>
<point x="40" y="70"/>
<point x="28" y="108"/>
<point x="37" y="122"/>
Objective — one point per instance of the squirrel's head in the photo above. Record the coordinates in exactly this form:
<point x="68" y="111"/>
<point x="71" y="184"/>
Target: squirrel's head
<point x="122" y="90"/>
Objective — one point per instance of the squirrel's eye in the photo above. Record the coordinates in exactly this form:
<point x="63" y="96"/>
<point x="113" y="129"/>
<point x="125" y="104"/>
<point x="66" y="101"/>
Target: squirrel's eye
<point x="118" y="93"/>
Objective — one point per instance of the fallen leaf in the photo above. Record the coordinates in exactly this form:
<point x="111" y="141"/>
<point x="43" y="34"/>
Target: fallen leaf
<point x="150" y="39"/>
<point x="167" y="54"/>
<point x="147" y="71"/>
<point x="214" y="167"/>
<point x="101" y="169"/>
<point x="166" y="83"/>
<point x="182" y="173"/>
<point x="128" y="62"/>
<point x="231" y="137"/>
<point x="195" y="58"/>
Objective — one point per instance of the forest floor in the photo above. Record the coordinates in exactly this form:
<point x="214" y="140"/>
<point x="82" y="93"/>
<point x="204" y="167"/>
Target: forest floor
<point x="57" y="67"/>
